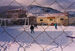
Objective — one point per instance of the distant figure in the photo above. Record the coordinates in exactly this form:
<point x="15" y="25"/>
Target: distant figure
<point x="32" y="28"/>
<point x="55" y="25"/>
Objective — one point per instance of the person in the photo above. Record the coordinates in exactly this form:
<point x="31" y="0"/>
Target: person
<point x="55" y="25"/>
<point x="32" y="28"/>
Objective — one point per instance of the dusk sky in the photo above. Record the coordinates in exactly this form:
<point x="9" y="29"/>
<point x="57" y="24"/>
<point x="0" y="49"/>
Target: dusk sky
<point x="47" y="3"/>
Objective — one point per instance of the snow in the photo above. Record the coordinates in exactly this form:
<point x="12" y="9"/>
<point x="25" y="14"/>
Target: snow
<point x="45" y="38"/>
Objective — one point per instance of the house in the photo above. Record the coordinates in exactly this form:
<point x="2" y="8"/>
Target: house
<point x="50" y="19"/>
<point x="71" y="20"/>
<point x="16" y="15"/>
<point x="45" y="20"/>
<point x="32" y="20"/>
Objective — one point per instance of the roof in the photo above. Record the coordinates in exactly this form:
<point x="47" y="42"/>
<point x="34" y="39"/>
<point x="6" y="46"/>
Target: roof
<point x="53" y="15"/>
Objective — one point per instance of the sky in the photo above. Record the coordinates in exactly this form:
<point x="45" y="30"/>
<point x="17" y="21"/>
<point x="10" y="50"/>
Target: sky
<point x="57" y="4"/>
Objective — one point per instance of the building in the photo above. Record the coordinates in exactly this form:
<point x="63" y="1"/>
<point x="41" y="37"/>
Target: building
<point x="50" y="19"/>
<point x="32" y="20"/>
<point x="71" y="20"/>
<point x="16" y="13"/>
<point x="46" y="20"/>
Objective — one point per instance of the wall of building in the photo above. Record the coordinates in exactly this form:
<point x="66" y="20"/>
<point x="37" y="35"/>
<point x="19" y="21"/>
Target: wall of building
<point x="17" y="13"/>
<point x="72" y="21"/>
<point x="32" y="20"/>
<point x="46" y="20"/>
<point x="60" y="20"/>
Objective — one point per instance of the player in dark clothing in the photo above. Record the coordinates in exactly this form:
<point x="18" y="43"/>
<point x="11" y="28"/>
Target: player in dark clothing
<point x="32" y="28"/>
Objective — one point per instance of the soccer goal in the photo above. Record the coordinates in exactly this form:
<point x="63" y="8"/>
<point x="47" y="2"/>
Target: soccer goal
<point x="14" y="21"/>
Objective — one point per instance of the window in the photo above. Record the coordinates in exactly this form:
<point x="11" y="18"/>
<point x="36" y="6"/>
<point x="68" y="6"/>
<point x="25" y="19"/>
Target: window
<point x="61" y="18"/>
<point x="41" y="19"/>
<point x="51" y="19"/>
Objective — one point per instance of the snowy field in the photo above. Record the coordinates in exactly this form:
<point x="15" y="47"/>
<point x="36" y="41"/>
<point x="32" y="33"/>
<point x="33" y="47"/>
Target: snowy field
<point x="45" y="38"/>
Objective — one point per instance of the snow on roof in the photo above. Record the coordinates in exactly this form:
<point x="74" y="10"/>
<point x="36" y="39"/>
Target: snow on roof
<point x="53" y="15"/>
<point x="47" y="15"/>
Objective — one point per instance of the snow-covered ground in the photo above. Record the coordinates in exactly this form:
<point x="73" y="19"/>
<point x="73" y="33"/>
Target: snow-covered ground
<point x="45" y="38"/>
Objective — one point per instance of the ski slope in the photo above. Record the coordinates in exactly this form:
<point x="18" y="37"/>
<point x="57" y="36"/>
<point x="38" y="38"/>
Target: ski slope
<point x="45" y="38"/>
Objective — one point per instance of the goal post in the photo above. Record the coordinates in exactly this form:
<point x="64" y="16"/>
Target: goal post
<point x="14" y="21"/>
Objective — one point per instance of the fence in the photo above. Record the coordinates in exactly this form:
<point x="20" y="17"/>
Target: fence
<point x="45" y="38"/>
